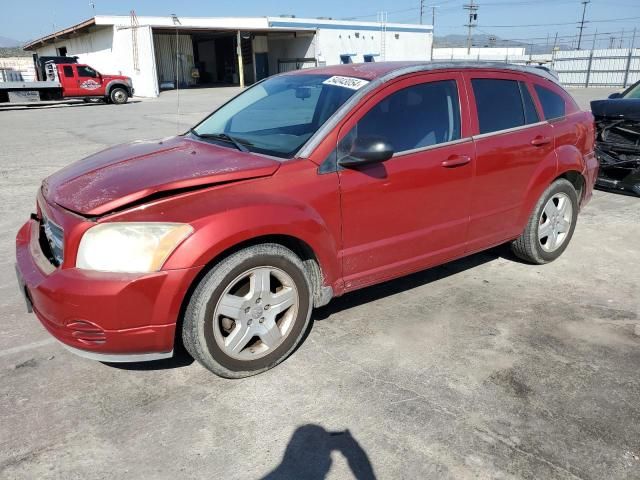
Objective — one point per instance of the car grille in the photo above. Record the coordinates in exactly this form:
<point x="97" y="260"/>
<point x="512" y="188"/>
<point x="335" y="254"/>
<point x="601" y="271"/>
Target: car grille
<point x="54" y="236"/>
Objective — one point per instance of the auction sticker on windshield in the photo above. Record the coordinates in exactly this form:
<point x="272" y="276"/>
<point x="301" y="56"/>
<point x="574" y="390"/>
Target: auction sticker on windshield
<point x="346" y="82"/>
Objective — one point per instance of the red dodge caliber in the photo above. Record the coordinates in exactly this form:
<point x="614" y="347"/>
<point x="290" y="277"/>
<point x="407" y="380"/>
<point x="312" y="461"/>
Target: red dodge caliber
<point x="304" y="187"/>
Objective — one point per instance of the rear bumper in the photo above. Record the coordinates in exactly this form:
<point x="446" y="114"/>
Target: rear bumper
<point x="104" y="316"/>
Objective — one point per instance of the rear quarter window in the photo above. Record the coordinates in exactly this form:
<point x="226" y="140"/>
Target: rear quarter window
<point x="553" y="104"/>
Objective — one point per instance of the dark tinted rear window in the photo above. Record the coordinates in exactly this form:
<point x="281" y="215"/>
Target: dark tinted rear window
<point x="553" y="104"/>
<point x="68" y="71"/>
<point x="499" y="104"/>
<point x="530" y="112"/>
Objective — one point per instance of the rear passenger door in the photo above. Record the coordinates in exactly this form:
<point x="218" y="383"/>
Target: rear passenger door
<point x="513" y="143"/>
<point x="69" y="81"/>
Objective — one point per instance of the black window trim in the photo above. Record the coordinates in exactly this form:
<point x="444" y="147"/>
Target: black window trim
<point x="522" y="84"/>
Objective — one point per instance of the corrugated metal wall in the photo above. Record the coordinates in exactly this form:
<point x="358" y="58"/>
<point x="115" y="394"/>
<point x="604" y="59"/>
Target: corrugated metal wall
<point x="598" y="68"/>
<point x="165" y="50"/>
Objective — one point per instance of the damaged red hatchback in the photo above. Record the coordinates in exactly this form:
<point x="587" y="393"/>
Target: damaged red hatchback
<point x="306" y="186"/>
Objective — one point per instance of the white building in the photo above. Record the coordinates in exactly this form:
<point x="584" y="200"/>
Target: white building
<point x="204" y="50"/>
<point x="479" y="53"/>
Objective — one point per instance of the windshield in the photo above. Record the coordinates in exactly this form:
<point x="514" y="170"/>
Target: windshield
<point x="277" y="116"/>
<point x="634" y="92"/>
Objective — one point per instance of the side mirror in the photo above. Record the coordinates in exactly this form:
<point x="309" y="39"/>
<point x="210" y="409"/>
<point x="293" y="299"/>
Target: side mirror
<point x="366" y="151"/>
<point x="615" y="95"/>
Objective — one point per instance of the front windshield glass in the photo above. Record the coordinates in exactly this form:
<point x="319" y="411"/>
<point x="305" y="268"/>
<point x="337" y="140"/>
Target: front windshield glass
<point x="634" y="92"/>
<point x="277" y="116"/>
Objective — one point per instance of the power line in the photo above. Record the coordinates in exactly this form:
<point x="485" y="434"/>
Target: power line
<point x="608" y="20"/>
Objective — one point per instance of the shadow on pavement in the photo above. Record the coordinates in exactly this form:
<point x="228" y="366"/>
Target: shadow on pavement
<point x="180" y="359"/>
<point x="308" y="455"/>
<point x="392" y="287"/>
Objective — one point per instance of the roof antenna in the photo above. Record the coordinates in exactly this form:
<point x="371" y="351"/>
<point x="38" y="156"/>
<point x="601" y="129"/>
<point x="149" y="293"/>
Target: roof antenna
<point x="176" y="22"/>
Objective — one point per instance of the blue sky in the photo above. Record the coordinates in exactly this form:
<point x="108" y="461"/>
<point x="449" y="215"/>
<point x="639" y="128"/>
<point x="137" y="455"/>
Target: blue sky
<point x="531" y="20"/>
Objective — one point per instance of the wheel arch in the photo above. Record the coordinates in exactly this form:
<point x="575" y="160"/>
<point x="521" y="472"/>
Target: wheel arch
<point x="569" y="164"/>
<point x="116" y="84"/>
<point x="322" y="293"/>
<point x="577" y="180"/>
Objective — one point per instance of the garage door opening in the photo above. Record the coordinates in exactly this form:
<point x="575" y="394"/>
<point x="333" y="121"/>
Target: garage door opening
<point x="207" y="58"/>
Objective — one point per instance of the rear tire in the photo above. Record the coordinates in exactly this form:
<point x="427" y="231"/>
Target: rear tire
<point x="550" y="226"/>
<point x="118" y="96"/>
<point x="249" y="312"/>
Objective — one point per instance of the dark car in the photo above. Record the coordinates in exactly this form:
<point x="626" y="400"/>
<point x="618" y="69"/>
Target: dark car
<point x="306" y="186"/>
<point x="618" y="140"/>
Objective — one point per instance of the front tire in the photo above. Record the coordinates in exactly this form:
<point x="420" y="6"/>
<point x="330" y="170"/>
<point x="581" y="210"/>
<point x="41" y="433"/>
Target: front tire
<point x="118" y="96"/>
<point x="550" y="226"/>
<point x="249" y="312"/>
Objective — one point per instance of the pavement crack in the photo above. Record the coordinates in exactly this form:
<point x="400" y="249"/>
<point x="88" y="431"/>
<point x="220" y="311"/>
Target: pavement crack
<point x="511" y="445"/>
<point x="374" y="379"/>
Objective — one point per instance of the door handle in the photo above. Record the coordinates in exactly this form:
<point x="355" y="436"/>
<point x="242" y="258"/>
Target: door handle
<point x="540" y="141"/>
<point x="456" y="161"/>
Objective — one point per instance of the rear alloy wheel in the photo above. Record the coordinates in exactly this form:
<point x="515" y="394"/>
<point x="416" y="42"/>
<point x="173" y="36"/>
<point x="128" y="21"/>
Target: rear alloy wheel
<point x="550" y="226"/>
<point x="118" y="96"/>
<point x="249" y="312"/>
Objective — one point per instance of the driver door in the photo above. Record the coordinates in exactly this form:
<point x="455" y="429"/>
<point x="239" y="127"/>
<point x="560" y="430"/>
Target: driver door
<point x="89" y="81"/>
<point x="412" y="211"/>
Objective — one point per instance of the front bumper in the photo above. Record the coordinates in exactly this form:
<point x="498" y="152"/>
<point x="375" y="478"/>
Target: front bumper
<point x="105" y="316"/>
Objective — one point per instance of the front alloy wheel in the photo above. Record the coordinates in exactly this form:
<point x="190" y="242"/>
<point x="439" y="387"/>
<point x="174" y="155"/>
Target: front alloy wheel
<point x="255" y="313"/>
<point x="249" y="312"/>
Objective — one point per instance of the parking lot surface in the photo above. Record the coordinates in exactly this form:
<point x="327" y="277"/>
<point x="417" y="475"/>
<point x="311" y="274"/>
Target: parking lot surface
<point x="482" y="368"/>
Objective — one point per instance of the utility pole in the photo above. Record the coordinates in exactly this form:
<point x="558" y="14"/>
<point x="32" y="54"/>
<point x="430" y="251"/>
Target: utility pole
<point x="581" y="27"/>
<point x="421" y="10"/>
<point x="473" y="19"/>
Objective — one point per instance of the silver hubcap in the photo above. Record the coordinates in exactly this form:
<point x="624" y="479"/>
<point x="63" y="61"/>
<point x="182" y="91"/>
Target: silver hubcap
<point x="119" y="96"/>
<point x="555" y="222"/>
<point x="255" y="313"/>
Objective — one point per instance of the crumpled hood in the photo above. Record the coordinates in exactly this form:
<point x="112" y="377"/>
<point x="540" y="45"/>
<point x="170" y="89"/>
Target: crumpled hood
<point x="127" y="173"/>
<point x="617" y="108"/>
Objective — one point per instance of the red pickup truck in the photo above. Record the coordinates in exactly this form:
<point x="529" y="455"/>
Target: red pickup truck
<point x="69" y="80"/>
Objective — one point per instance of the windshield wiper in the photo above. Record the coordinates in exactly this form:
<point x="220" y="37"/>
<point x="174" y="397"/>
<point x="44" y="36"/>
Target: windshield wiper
<point x="239" y="144"/>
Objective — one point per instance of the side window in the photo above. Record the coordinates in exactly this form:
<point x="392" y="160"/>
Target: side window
<point x="84" y="71"/>
<point x="414" y="117"/>
<point x="68" y="71"/>
<point x="553" y="104"/>
<point x="530" y="112"/>
<point x="499" y="104"/>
